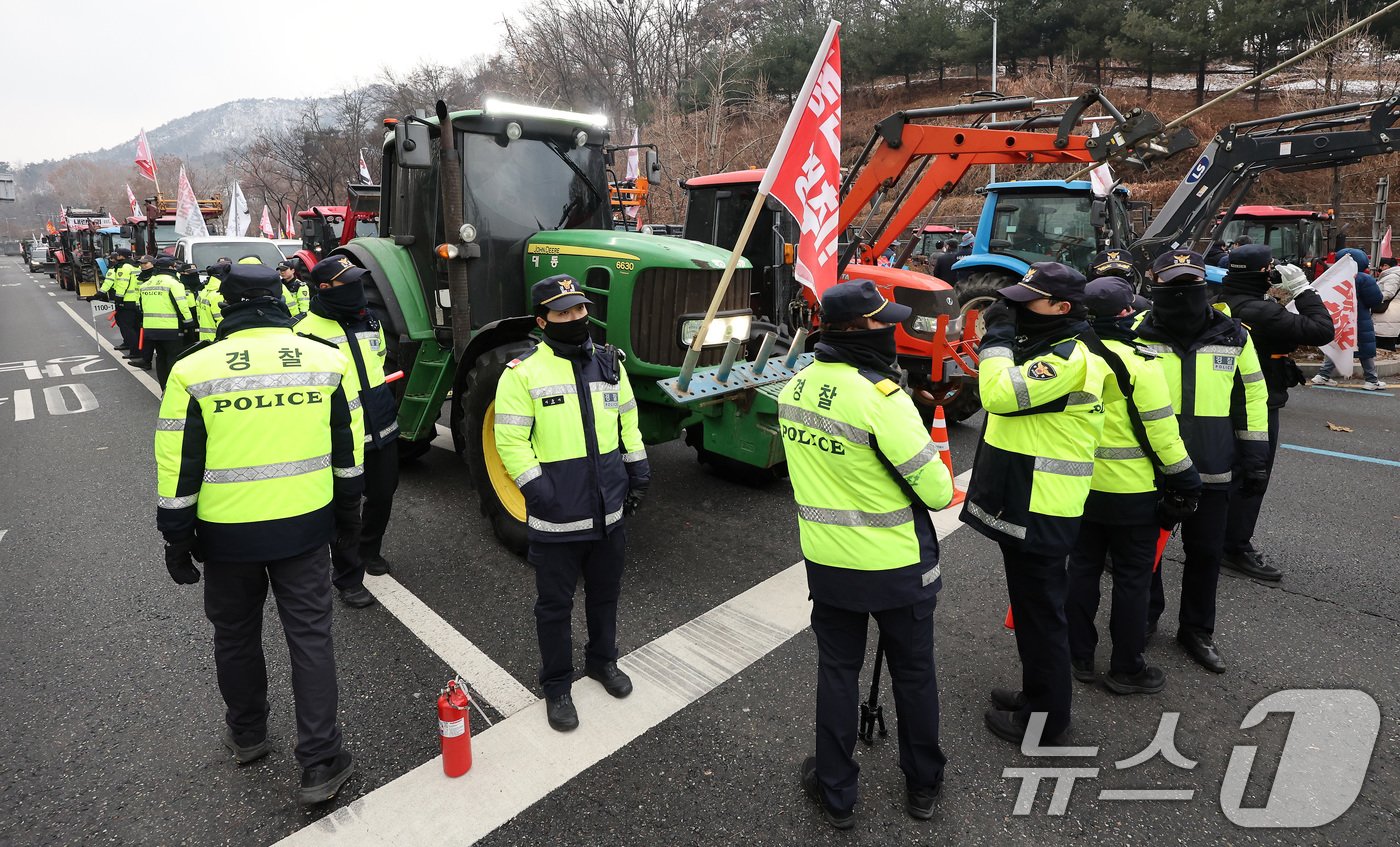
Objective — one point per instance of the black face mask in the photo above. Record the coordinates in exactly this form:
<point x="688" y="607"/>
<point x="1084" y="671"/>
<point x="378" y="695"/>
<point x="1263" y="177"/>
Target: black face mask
<point x="346" y="300"/>
<point x="864" y="348"/>
<point x="1182" y="311"/>
<point x="567" y="332"/>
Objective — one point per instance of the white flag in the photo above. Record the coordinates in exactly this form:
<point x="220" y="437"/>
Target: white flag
<point x="188" y="219"/>
<point x="364" y="169"/>
<point x="238" y="215"/>
<point x="265" y="226"/>
<point x="1101" y="177"/>
<point x="1337" y="288"/>
<point x="633" y="171"/>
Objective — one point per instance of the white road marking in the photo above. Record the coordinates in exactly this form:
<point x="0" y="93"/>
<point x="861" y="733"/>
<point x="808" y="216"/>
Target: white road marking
<point x="3" y="532"/>
<point x="140" y="375"/>
<point x="24" y="405"/>
<point x="51" y="294"/>
<point x="520" y="760"/>
<point x="497" y="687"/>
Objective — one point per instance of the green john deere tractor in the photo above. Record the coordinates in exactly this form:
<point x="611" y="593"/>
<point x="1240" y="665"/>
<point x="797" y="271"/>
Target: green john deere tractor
<point x="471" y="218"/>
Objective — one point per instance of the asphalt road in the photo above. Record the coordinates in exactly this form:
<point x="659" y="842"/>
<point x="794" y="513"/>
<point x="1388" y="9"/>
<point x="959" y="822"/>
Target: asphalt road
<point x="108" y="697"/>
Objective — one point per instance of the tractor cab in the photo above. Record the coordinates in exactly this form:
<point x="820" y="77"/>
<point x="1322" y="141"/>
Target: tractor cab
<point x="1047" y="221"/>
<point x="1297" y="236"/>
<point x="321" y="228"/>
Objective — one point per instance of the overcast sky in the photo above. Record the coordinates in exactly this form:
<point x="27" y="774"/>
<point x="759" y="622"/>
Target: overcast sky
<point x="71" y="73"/>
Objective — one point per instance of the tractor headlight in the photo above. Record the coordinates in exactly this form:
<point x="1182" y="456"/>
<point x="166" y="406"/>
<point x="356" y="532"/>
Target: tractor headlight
<point x="467" y="233"/>
<point x="721" y="329"/>
<point x="926" y="323"/>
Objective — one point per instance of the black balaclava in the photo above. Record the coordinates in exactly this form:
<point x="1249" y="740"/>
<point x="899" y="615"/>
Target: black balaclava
<point x="873" y="349"/>
<point x="1250" y="282"/>
<point x="567" y="332"/>
<point x="1181" y="311"/>
<point x="1035" y="327"/>
<point x="341" y="302"/>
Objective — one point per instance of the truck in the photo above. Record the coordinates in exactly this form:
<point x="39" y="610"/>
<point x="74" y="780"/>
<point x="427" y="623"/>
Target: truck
<point x="1298" y="236"/>
<point x="482" y="203"/>
<point x="154" y="232"/>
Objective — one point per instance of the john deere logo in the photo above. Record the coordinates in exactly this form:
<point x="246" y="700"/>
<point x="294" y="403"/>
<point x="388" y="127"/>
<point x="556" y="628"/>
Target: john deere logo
<point x="1041" y="370"/>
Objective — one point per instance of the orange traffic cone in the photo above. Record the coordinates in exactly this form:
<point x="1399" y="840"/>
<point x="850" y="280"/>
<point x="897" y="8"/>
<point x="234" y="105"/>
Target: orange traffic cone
<point x="939" y="433"/>
<point x="1009" y="622"/>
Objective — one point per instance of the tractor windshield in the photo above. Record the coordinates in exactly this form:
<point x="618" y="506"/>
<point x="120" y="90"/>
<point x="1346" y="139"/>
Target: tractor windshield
<point x="528" y="185"/>
<point x="1292" y="239"/>
<point x="1044" y="228"/>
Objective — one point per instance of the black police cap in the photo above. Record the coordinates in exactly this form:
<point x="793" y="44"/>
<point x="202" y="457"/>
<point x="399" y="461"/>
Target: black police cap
<point x="335" y="268"/>
<point x="1108" y="296"/>
<point x="859" y="298"/>
<point x="1112" y="263"/>
<point x="165" y="262"/>
<point x="124" y="252"/>
<point x="1174" y="264"/>
<point x="244" y="282"/>
<point x="1047" y="279"/>
<point x="557" y="293"/>
<point x="1251" y="257"/>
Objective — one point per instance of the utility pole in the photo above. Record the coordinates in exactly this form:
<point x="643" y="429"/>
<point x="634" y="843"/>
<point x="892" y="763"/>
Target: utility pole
<point x="993" y="168"/>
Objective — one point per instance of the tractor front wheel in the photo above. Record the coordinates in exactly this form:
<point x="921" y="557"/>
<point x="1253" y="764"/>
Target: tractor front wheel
<point x="474" y="429"/>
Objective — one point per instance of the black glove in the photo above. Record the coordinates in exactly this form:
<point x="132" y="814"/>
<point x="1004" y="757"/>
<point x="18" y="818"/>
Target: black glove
<point x="179" y="560"/>
<point x="1173" y="507"/>
<point x="999" y="322"/>
<point x="633" y="501"/>
<point x="1255" y="483"/>
<point x="347" y="529"/>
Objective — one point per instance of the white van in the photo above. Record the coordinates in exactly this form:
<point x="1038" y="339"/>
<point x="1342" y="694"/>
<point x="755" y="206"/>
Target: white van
<point x="203" y="252"/>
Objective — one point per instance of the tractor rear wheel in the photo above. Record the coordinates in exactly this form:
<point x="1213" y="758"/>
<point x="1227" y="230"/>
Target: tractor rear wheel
<point x="474" y="429"/>
<point x="977" y="291"/>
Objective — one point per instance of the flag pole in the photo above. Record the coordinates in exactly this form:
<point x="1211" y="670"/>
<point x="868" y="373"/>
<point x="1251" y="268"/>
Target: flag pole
<point x="692" y="356"/>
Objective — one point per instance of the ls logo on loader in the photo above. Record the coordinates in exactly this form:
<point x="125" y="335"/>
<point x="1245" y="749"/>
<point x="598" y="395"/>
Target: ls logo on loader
<point x="1198" y="170"/>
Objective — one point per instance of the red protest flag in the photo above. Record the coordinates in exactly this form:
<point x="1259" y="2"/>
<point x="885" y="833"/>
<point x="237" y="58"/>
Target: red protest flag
<point x="1385" y="251"/>
<point x="145" y="162"/>
<point x="805" y="171"/>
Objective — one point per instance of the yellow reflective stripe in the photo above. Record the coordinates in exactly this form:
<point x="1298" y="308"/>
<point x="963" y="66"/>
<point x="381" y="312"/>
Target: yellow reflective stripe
<point x="855" y="517"/>
<point x="277" y="470"/>
<point x="1063" y="467"/>
<point x="822" y="423"/>
<point x="923" y="457"/>
<point x="228" y="384"/>
<point x="1004" y="527"/>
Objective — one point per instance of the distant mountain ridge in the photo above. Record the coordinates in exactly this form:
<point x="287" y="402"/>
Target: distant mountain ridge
<point x="210" y="131"/>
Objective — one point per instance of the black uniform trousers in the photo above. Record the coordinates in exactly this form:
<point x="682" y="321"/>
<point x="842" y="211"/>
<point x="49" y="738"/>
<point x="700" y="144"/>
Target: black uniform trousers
<point x="557" y="570"/>
<point x="1203" y="539"/>
<point x="906" y="632"/>
<point x="129" y="325"/>
<point x="1037" y="584"/>
<point x="234" y="593"/>
<point x="1244" y="510"/>
<point x="1134" y="550"/>
<point x="381" y="481"/>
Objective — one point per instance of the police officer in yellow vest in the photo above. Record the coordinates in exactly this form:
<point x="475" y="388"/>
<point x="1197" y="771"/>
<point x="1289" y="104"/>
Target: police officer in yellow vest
<point x="259" y="460"/>
<point x="165" y="317"/>
<point x="566" y="430"/>
<point x="1206" y="356"/>
<point x="300" y="292"/>
<point x="864" y="474"/>
<point x="1143" y="480"/>
<point x="121" y="287"/>
<point x="1044" y="391"/>
<point x="340" y="314"/>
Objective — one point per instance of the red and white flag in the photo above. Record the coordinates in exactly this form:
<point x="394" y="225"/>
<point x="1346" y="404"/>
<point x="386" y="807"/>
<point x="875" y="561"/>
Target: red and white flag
<point x="144" y="160"/>
<point x="189" y="220"/>
<point x="1337" y="288"/>
<point x="1385" y="251"/>
<point x="265" y="226"/>
<point x="131" y="198"/>
<point x="1101" y="177"/>
<point x="805" y="171"/>
<point x="364" y="169"/>
<point x="288" y="229"/>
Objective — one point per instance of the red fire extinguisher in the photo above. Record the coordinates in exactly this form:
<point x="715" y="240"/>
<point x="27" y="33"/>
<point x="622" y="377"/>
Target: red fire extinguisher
<point x="454" y="728"/>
